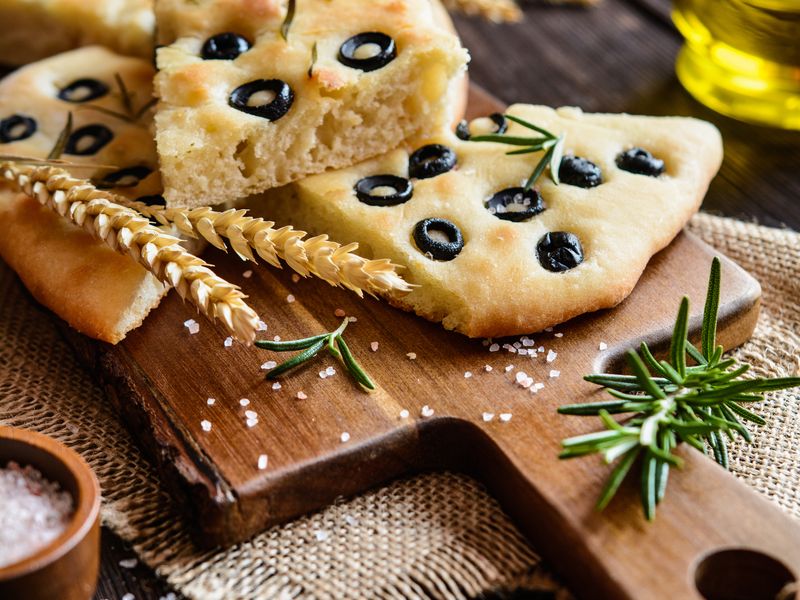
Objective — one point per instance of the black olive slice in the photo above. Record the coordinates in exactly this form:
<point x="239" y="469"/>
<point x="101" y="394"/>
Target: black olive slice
<point x="402" y="190"/>
<point x="579" y="172"/>
<point x="83" y="90"/>
<point x="224" y="46"/>
<point x="152" y="200"/>
<point x="640" y="162"/>
<point x="16" y="128"/>
<point x="98" y="136"/>
<point x="515" y="204"/>
<point x="271" y="111"/>
<point x="430" y="161"/>
<point x="387" y="51"/>
<point x="127" y="177"/>
<point x="499" y="119"/>
<point x="439" y="238"/>
<point x="559" y="251"/>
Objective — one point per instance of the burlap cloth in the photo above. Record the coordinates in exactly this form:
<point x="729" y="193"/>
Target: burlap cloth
<point x="437" y="535"/>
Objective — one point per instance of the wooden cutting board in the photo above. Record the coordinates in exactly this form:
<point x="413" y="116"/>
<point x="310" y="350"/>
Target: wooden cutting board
<point x="161" y="377"/>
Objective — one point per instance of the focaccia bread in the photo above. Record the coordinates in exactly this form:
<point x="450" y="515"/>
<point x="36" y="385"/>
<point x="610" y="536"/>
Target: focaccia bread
<point x="36" y="29"/>
<point x="243" y="110"/>
<point x="96" y="290"/>
<point x="491" y="259"/>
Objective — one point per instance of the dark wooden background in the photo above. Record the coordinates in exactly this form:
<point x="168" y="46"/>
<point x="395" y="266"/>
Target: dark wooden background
<point x="617" y="56"/>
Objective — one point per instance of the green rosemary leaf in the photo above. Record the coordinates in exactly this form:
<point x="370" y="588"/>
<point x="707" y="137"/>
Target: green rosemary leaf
<point x="746" y="414"/>
<point x="662" y="468"/>
<point x="531" y="150"/>
<point x="107" y="111"/>
<point x="539" y="169"/>
<point x="645" y="380"/>
<point x="709" y="331"/>
<point x="511" y="140"/>
<point x="677" y="349"/>
<point x="61" y="141"/>
<point x="555" y="159"/>
<point x="695" y="354"/>
<point x="290" y="345"/>
<point x="144" y="108"/>
<point x="125" y="96"/>
<point x="631" y="397"/>
<point x="592" y="408"/>
<point x="616" y="477"/>
<point x="525" y="123"/>
<point x="297" y="360"/>
<point x="673" y="375"/>
<point x="287" y="22"/>
<point x="354" y="368"/>
<point x="648" y="491"/>
<point x="650" y="359"/>
<point x="731" y="416"/>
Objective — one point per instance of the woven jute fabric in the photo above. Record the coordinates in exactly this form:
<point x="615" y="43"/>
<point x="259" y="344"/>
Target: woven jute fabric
<point x="436" y="535"/>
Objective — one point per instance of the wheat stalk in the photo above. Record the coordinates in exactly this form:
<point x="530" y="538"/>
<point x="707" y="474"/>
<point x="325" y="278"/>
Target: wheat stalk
<point x="128" y="232"/>
<point x="332" y="262"/>
<point x="501" y="10"/>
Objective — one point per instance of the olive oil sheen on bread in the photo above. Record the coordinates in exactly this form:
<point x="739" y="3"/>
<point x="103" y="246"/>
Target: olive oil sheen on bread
<point x="742" y="57"/>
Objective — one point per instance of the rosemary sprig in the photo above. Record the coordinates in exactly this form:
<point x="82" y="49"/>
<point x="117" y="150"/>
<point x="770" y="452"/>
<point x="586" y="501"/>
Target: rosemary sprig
<point x="287" y="22"/>
<point x="131" y="114"/>
<point x="671" y="401"/>
<point x="311" y="346"/>
<point x="553" y="146"/>
<point x="61" y="141"/>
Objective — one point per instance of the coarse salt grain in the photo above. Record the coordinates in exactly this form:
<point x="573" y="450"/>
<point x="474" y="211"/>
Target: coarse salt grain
<point x="262" y="462"/>
<point x="494" y="347"/>
<point x="487" y="368"/>
<point x="540" y="349"/>
<point x="301" y="395"/>
<point x="523" y="380"/>
<point x="290" y="298"/>
<point x="192" y="325"/>
<point x="404" y="414"/>
<point x="339" y="312"/>
<point x="128" y="563"/>
<point x="128" y="596"/>
<point x="261" y="326"/>
<point x="558" y="335"/>
<point x="247" y="274"/>
<point x="322" y="374"/>
<point x="536" y="387"/>
<point x="551" y="356"/>
<point x="603" y="346"/>
<point x="205" y="424"/>
<point x="251" y="423"/>
<point x="509" y="368"/>
<point x="426" y="411"/>
<point x="276" y="385"/>
<point x="350" y="520"/>
<point x="527" y="342"/>
<point x="487" y="417"/>
<point x="411" y="355"/>
<point x="505" y="417"/>
<point x="352" y="319"/>
<point x="270" y="364"/>
<point x="345" y="437"/>
<point x="34" y="512"/>
<point x="548" y="329"/>
<point x="330" y="371"/>
<point x="321" y="535"/>
<point x="250" y="414"/>
<point x="211" y="401"/>
<point x="228" y="342"/>
<point x="276" y="338"/>
<point x="244" y="402"/>
<point x="374" y="346"/>
<point x="554" y="373"/>
<point x="467" y="374"/>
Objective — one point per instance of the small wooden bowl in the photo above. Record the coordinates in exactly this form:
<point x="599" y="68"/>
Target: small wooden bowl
<point x="67" y="568"/>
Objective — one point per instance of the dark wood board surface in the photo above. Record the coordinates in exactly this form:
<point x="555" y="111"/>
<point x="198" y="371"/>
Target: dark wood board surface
<point x="161" y="377"/>
<point x="617" y="56"/>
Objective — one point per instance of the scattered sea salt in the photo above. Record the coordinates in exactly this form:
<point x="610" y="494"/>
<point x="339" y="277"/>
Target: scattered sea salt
<point x="551" y="356"/>
<point x="228" y="342"/>
<point x="509" y="368"/>
<point x="536" y="387"/>
<point x="350" y="520"/>
<point x="523" y="380"/>
<point x="34" y="512"/>
<point x="339" y="313"/>
<point x="517" y="345"/>
<point x="262" y="462"/>
<point x="467" y="374"/>
<point x="540" y="349"/>
<point x="487" y="368"/>
<point x="558" y="335"/>
<point x="352" y="319"/>
<point x="169" y="596"/>
<point x="404" y="414"/>
<point x="301" y="395"/>
<point x="322" y="374"/>
<point x="251" y="423"/>
<point x="426" y="411"/>
<point x="374" y="346"/>
<point x="211" y="401"/>
<point x="548" y="329"/>
<point x="276" y="338"/>
<point x="250" y="414"/>
<point x="205" y="424"/>
<point x="330" y="371"/>
<point x="270" y="364"/>
<point x="276" y="386"/>
<point x="290" y="298"/>
<point x="494" y="347"/>
<point x="192" y="325"/>
<point x="261" y="326"/>
<point x="321" y="535"/>
<point x="247" y="274"/>
<point x="554" y="373"/>
<point x="244" y="402"/>
<point x="603" y="346"/>
<point x="345" y="437"/>
<point x="505" y="417"/>
<point x="527" y="342"/>
<point x="128" y="563"/>
<point x="487" y="417"/>
<point x="411" y="355"/>
<point x="128" y="596"/>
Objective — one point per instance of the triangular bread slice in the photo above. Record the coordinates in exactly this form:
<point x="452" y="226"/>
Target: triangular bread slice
<point x="528" y="261"/>
<point x="251" y="99"/>
<point x="96" y="290"/>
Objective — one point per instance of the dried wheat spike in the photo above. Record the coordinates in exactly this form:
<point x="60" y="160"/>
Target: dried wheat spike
<point x="319" y="256"/>
<point x="501" y="10"/>
<point x="128" y="232"/>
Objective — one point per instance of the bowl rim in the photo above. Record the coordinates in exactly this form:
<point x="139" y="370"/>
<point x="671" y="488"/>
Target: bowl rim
<point x="86" y="512"/>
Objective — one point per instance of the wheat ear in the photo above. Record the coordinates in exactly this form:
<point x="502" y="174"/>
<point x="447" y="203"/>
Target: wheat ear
<point x="334" y="263"/>
<point x="128" y="232"/>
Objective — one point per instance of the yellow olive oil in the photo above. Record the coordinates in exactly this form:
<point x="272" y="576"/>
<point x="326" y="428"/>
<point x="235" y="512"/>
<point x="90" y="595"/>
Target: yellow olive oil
<point x="742" y="57"/>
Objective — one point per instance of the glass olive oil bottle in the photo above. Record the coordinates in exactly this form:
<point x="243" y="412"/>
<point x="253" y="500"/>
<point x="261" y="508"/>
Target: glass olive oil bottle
<point x="742" y="57"/>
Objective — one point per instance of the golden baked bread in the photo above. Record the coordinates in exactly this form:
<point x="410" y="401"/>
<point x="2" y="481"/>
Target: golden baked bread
<point x="36" y="29"/>
<point x="96" y="290"/>
<point x="242" y="109"/>
<point x="491" y="259"/>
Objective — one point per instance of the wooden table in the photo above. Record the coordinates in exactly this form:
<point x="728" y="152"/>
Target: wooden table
<point x="617" y="57"/>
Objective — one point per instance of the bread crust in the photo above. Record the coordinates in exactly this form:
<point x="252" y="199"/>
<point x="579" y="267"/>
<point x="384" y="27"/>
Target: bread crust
<point x="496" y="285"/>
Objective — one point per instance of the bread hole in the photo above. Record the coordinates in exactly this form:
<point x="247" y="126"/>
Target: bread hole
<point x="244" y="158"/>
